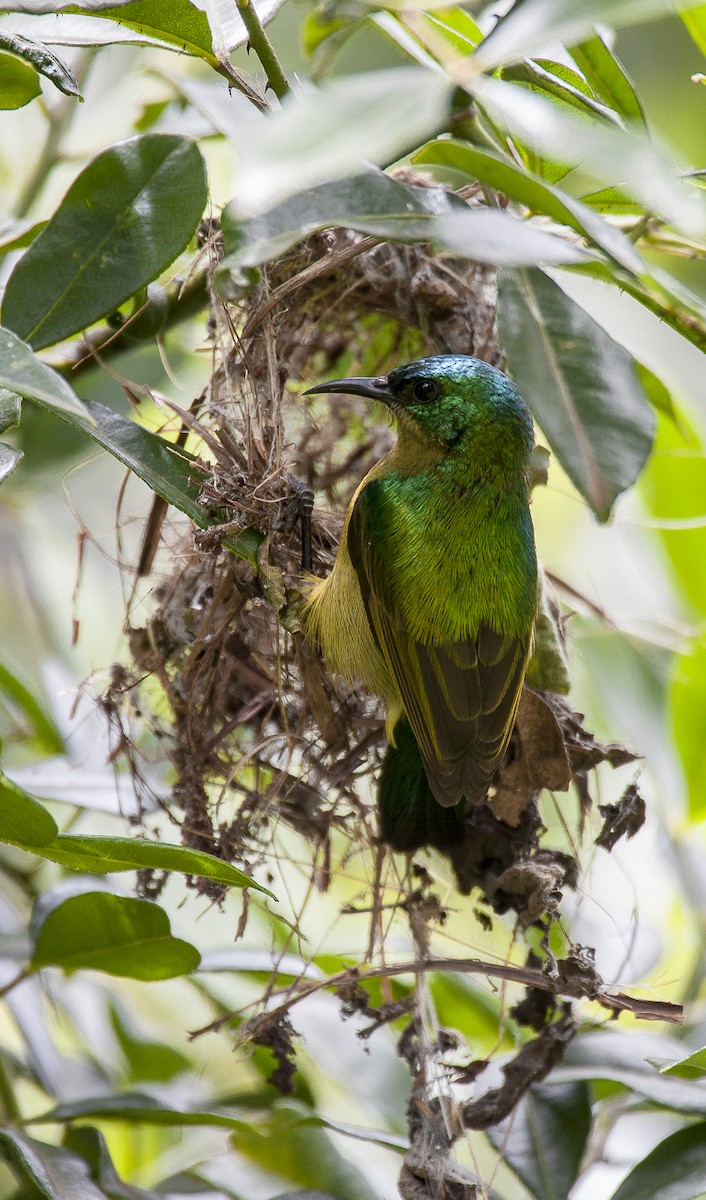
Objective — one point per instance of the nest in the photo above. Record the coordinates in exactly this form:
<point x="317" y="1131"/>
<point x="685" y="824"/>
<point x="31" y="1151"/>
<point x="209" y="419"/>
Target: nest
<point x="256" y="731"/>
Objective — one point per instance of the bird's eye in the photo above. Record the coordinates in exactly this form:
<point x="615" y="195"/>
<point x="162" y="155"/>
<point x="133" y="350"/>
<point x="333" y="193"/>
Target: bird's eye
<point x="426" y="391"/>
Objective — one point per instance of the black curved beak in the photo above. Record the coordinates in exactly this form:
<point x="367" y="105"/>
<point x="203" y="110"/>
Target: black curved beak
<point x="372" y="389"/>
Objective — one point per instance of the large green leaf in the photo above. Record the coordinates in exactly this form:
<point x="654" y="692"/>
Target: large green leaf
<point x="605" y="153"/>
<point x="532" y="192"/>
<point x="173" y="24"/>
<point x="101" y="855"/>
<point x="331" y="132"/>
<point x="124" y="219"/>
<point x="580" y="385"/>
<point x="23" y="820"/>
<point x="116" y="934"/>
<point x="370" y="202"/>
<point x="674" y="1170"/>
<point x="19" y="82"/>
<point x="373" y="203"/>
<point x="533" y="24"/>
<point x="22" y="372"/>
<point x="56" y="1173"/>
<point x="544" y="1139"/>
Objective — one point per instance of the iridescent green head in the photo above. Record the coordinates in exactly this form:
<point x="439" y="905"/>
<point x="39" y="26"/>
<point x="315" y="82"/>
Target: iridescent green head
<point x="460" y="403"/>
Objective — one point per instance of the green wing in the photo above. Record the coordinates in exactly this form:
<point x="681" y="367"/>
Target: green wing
<point x="460" y="697"/>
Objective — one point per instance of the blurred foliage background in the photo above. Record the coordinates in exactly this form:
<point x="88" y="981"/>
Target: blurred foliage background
<point x="135" y="1108"/>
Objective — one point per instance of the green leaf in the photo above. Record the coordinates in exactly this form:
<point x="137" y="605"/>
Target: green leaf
<point x="328" y="134"/>
<point x="553" y="79"/>
<point x="116" y="934"/>
<point x="373" y="203"/>
<point x="674" y="1170"/>
<point x="535" y="23"/>
<point x="544" y="1139"/>
<point x="607" y="154"/>
<point x="101" y="855"/>
<point x="21" y="371"/>
<point x="19" y="82"/>
<point x="177" y="22"/>
<point x="56" y="1173"/>
<point x="305" y="1154"/>
<point x="42" y="60"/>
<point x="129" y="213"/>
<point x="691" y="1067"/>
<point x="532" y="192"/>
<point x="370" y="202"/>
<point x="147" y="1061"/>
<point x="695" y="20"/>
<point x="608" y="77"/>
<point x="580" y="385"/>
<point x="23" y="820"/>
<point x="20" y="697"/>
<point x="91" y="1146"/>
<point x="136" y="1108"/>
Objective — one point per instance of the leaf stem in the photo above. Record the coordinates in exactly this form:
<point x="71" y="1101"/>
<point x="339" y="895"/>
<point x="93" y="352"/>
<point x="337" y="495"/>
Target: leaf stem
<point x="264" y="49"/>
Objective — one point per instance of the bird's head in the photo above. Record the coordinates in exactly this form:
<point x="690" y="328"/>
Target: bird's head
<point x="460" y="404"/>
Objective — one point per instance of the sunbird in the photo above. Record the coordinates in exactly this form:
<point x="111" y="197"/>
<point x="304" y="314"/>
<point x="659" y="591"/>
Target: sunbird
<point x="432" y="599"/>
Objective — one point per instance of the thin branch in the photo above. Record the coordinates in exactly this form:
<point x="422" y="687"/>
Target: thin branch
<point x="264" y="49"/>
<point x="646" y="1010"/>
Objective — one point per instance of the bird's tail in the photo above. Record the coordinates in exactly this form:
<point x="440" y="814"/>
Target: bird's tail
<point x="410" y="816"/>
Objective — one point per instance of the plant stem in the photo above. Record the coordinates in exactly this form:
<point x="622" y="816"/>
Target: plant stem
<point x="9" y="1108"/>
<point x="264" y="49"/>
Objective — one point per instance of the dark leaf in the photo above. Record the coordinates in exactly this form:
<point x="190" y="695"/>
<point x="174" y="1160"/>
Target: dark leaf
<point x="544" y="1139"/>
<point x="582" y="387"/>
<point x="21" y="371"/>
<point x="115" y="934"/>
<point x="56" y="1173"/>
<point x="43" y="60"/>
<point x="370" y="202"/>
<point x="674" y="1170"/>
<point x="129" y="213"/>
